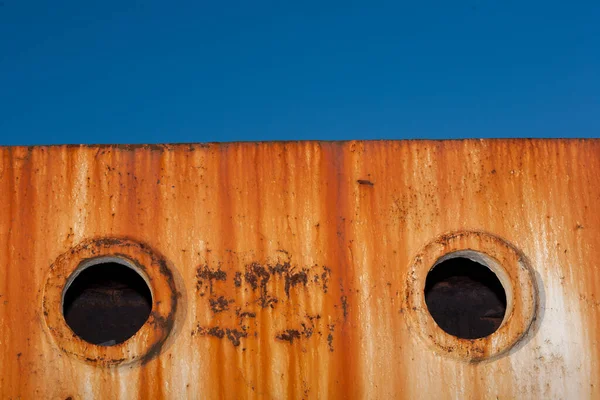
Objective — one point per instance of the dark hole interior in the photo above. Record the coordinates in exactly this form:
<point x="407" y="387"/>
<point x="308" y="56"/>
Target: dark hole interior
<point x="107" y="303"/>
<point x="465" y="298"/>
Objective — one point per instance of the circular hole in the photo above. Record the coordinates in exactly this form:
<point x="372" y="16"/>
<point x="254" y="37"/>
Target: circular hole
<point x="465" y="298"/>
<point x="106" y="302"/>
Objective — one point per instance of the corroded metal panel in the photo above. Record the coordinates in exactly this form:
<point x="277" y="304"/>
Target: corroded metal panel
<point x="296" y="270"/>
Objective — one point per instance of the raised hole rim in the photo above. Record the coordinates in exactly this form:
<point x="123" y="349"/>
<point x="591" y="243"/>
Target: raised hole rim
<point x="515" y="274"/>
<point x="149" y="264"/>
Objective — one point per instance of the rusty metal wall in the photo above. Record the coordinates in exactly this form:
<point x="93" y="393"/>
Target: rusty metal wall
<point x="294" y="270"/>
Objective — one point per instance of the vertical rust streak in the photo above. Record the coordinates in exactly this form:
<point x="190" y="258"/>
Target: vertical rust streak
<point x="21" y="320"/>
<point x="11" y="193"/>
<point x="345" y="379"/>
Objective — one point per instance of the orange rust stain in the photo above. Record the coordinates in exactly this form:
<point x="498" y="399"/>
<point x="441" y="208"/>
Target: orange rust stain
<point x="290" y="262"/>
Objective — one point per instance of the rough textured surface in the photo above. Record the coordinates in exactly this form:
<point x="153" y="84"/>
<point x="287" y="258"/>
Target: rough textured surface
<point x="293" y="259"/>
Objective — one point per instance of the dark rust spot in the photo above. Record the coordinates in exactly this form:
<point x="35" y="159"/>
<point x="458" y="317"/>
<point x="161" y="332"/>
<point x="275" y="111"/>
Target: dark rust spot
<point x="214" y="331"/>
<point x="109" y="242"/>
<point x="344" y="300"/>
<point x="307" y="331"/>
<point x="293" y="279"/>
<point x="234" y="336"/>
<point x="237" y="280"/>
<point x="258" y="277"/>
<point x="206" y="274"/>
<point x="280" y="269"/>
<point x="325" y="278"/>
<point x="312" y="318"/>
<point x="365" y="182"/>
<point x="219" y="304"/>
<point x="288" y="335"/>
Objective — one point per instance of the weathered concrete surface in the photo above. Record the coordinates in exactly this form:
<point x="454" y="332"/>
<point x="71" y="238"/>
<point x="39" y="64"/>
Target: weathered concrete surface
<point x="285" y="270"/>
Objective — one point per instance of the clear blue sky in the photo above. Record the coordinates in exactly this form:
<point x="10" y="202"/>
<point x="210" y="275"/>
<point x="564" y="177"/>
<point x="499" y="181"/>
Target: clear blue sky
<point x="146" y="71"/>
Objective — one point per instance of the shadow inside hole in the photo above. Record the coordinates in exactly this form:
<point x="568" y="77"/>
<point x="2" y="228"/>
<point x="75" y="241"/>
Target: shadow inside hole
<point x="107" y="303"/>
<point x="465" y="298"/>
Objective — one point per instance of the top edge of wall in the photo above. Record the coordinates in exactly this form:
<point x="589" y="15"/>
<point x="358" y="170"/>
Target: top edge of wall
<point x="168" y="146"/>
